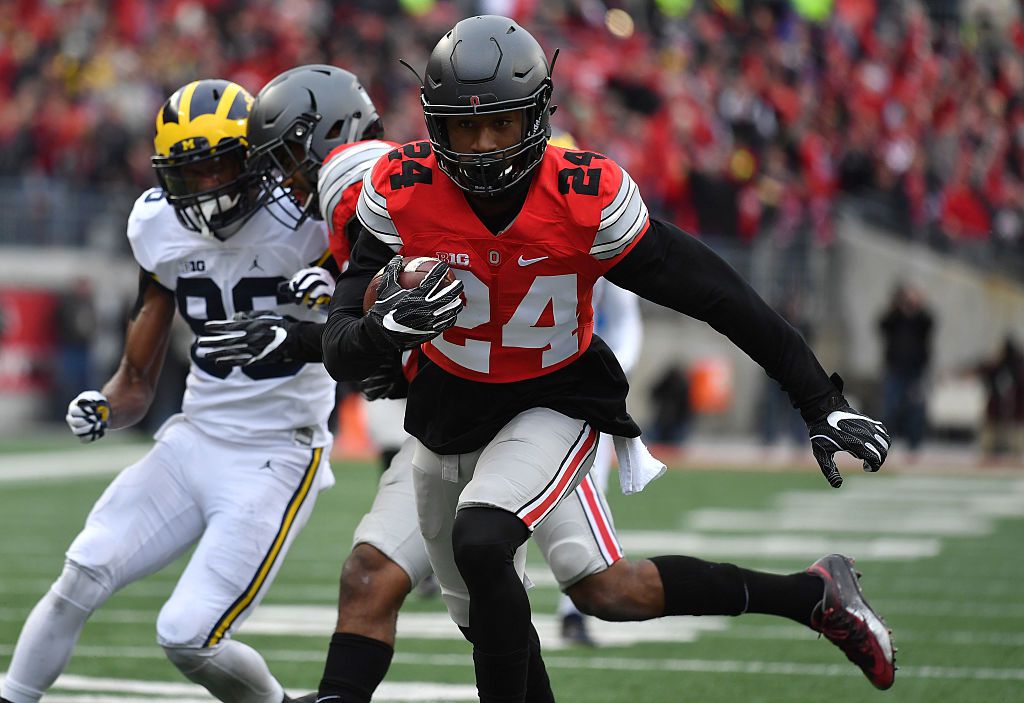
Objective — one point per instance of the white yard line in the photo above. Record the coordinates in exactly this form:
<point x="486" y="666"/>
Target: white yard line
<point x="776" y="546"/>
<point x="88" y="460"/>
<point x="557" y="661"/>
<point x="935" y="523"/>
<point x="431" y="626"/>
<point x="317" y="622"/>
<point x="91" y="689"/>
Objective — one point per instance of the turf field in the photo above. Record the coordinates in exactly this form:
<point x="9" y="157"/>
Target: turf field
<point x="942" y="558"/>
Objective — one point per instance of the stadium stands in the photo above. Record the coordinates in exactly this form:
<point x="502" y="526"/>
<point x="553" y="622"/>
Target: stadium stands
<point x="737" y="126"/>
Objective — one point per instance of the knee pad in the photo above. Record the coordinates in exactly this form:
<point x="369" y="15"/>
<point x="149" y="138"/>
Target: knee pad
<point x="81" y="587"/>
<point x="177" y="628"/>
<point x="484" y="539"/>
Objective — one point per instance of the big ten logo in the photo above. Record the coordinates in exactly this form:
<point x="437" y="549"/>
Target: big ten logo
<point x="453" y="259"/>
<point x="191" y="266"/>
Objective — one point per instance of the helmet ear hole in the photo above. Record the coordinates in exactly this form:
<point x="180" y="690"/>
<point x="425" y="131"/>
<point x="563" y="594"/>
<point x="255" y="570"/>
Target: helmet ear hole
<point x="332" y="109"/>
<point x="335" y="131"/>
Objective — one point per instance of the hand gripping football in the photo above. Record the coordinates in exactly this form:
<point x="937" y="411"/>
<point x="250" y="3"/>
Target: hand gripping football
<point x="414" y="270"/>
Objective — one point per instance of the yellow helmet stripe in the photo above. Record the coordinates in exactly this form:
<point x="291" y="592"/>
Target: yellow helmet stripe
<point x="227" y="100"/>
<point x="184" y="107"/>
<point x="201" y="114"/>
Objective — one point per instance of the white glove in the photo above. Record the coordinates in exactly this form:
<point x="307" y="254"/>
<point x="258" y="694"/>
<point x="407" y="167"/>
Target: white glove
<point x="312" y="287"/>
<point x="88" y="415"/>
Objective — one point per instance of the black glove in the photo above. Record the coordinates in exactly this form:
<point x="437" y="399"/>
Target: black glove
<point x="843" y="429"/>
<point x="386" y="384"/>
<point x="408" y="317"/>
<point x="258" y="337"/>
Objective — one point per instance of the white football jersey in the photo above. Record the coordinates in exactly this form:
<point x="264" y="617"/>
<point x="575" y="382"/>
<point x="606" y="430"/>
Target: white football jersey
<point x="617" y="314"/>
<point x="212" y="280"/>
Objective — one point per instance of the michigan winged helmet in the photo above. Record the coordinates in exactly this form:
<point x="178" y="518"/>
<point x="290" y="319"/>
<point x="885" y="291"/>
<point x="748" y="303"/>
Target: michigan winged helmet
<point x="200" y="147"/>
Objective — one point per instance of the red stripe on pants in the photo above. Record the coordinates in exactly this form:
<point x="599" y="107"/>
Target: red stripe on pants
<point x="534" y="515"/>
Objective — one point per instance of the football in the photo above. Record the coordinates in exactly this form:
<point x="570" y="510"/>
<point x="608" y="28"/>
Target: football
<point x="414" y="270"/>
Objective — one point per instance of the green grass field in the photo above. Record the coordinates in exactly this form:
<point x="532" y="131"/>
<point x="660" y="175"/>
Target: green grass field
<point x="942" y="558"/>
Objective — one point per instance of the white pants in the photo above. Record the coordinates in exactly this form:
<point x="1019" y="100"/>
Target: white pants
<point x="577" y="539"/>
<point x="531" y="468"/>
<point x="241" y="505"/>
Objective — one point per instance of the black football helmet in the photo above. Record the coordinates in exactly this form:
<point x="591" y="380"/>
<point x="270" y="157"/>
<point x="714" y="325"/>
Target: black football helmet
<point x="488" y="64"/>
<point x="298" y="118"/>
<point x="200" y="156"/>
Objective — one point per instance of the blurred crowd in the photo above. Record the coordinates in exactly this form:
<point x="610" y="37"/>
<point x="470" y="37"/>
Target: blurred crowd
<point x="739" y="119"/>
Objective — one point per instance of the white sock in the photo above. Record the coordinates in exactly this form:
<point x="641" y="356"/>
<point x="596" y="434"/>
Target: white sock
<point x="233" y="672"/>
<point x="50" y="634"/>
<point x="567" y="607"/>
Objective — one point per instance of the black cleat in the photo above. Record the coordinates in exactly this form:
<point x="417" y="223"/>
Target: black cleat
<point x="846" y="619"/>
<point x="574" y="630"/>
<point x="308" y="698"/>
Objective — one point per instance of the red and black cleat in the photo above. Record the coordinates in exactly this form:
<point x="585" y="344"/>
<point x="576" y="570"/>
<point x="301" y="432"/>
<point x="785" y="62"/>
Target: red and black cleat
<point x="846" y="619"/>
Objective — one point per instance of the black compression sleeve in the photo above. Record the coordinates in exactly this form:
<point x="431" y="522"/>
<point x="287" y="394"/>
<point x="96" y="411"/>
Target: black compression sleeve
<point x="351" y="352"/>
<point x="307" y="342"/>
<point x="355" y="667"/>
<point x="671" y="268"/>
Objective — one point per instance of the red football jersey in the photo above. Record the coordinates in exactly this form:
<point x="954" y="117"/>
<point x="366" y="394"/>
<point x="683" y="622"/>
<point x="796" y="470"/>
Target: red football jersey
<point x="528" y="289"/>
<point x="339" y="184"/>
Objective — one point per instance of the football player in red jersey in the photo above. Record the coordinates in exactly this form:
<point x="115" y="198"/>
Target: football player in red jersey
<point x="300" y="115"/>
<point x="297" y="118"/>
<point x="511" y="390"/>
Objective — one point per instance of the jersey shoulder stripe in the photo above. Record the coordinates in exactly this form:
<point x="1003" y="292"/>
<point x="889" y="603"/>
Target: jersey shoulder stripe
<point x="372" y="212"/>
<point x="621" y="221"/>
<point x="345" y="167"/>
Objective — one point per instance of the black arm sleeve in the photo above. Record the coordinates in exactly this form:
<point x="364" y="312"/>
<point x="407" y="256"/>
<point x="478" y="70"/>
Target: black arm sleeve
<point x="307" y="342"/>
<point x="351" y="350"/>
<point x="671" y="268"/>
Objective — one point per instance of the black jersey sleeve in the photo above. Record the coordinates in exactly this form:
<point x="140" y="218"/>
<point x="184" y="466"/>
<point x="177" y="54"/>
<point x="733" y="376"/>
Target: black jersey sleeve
<point x="671" y="268"/>
<point x="308" y="346"/>
<point x="350" y="349"/>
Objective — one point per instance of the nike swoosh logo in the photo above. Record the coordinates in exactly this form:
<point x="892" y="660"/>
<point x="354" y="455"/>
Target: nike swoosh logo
<point x="389" y="323"/>
<point x="837" y="416"/>
<point x="527" y="262"/>
<point x="280" y="334"/>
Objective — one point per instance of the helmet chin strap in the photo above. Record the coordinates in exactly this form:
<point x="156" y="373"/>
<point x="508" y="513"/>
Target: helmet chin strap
<point x="229" y="231"/>
<point x="207" y="209"/>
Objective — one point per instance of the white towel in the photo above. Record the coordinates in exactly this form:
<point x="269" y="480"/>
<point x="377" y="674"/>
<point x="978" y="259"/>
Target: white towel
<point x="637" y="467"/>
